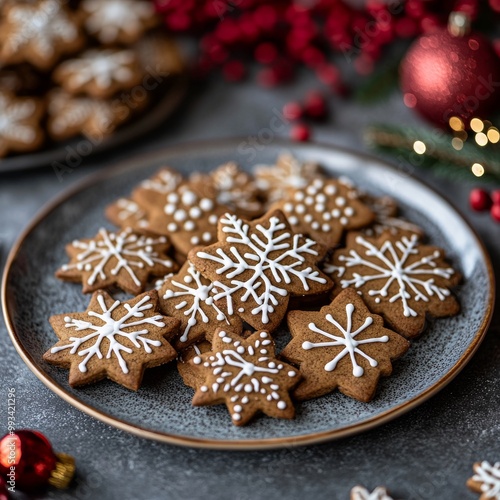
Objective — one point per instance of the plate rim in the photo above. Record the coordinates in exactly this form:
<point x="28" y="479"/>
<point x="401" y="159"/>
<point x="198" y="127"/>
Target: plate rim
<point x="231" y="444"/>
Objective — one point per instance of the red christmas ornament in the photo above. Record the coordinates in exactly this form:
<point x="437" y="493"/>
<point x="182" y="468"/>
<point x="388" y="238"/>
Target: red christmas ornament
<point x="28" y="461"/>
<point x="444" y="75"/>
<point x="479" y="200"/>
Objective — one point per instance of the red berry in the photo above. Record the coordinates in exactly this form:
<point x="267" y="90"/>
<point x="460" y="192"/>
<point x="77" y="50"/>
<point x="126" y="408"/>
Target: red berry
<point x="479" y="200"/>
<point x="234" y="71"/>
<point x="266" y="53"/>
<point x="315" y="106"/>
<point x="495" y="197"/>
<point x="300" y="133"/>
<point x="495" y="213"/>
<point x="292" y="111"/>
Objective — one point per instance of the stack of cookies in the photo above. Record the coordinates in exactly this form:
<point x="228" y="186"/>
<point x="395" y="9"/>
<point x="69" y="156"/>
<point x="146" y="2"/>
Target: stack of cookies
<point x="79" y="67"/>
<point x="236" y="257"/>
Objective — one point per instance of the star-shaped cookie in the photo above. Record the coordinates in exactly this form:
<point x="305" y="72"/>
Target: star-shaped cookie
<point x="398" y="277"/>
<point x="124" y="259"/>
<point x="245" y="375"/>
<point x="113" y="339"/>
<point x="486" y="480"/>
<point x="341" y="346"/>
<point x="257" y="266"/>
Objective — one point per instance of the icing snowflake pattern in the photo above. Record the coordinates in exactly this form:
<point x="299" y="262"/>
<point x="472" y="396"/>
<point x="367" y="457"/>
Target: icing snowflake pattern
<point x="104" y="68"/>
<point x="128" y="249"/>
<point x="269" y="274"/>
<point x="112" y="330"/>
<point x="108" y="19"/>
<point x="361" y="493"/>
<point x="487" y="480"/>
<point x="16" y="121"/>
<point x="347" y="339"/>
<point x="415" y="281"/>
<point x="237" y="371"/>
<point x="128" y="209"/>
<point x="197" y="295"/>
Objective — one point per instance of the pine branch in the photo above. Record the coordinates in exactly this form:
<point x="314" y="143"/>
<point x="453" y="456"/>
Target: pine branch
<point x="440" y="156"/>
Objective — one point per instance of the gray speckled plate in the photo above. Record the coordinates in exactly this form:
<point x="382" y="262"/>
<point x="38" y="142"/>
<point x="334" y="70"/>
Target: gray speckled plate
<point x="161" y="409"/>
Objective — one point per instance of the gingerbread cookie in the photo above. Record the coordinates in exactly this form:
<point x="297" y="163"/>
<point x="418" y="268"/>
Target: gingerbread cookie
<point x="398" y="277"/>
<point x="276" y="181"/>
<point x="127" y="213"/>
<point x="159" y="55"/>
<point x="112" y="339"/>
<point x="324" y="209"/>
<point x="256" y="266"/>
<point x="387" y="217"/>
<point x="361" y="493"/>
<point x="99" y="73"/>
<point x="190" y="374"/>
<point x="189" y="297"/>
<point x="486" y="480"/>
<point x="124" y="259"/>
<point x="117" y="21"/>
<point x="188" y="215"/>
<point x="235" y="189"/>
<point x="38" y="32"/>
<point x="20" y="128"/>
<point x="73" y="115"/>
<point x="342" y="346"/>
<point x="244" y="375"/>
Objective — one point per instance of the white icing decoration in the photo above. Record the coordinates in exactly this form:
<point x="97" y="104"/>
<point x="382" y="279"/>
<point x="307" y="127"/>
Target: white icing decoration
<point x="392" y="267"/>
<point x="360" y="493"/>
<point x="348" y="340"/>
<point x="322" y="205"/>
<point x="489" y="477"/>
<point x="106" y="19"/>
<point x="43" y="26"/>
<point x="129" y="209"/>
<point x="112" y="330"/>
<point x="198" y="295"/>
<point x="14" y="120"/>
<point x="164" y="182"/>
<point x="240" y="375"/>
<point x="255" y="257"/>
<point x="127" y="248"/>
<point x="102" y="67"/>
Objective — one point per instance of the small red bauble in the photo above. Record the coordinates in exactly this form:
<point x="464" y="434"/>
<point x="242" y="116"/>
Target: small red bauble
<point x="479" y="200"/>
<point x="444" y="76"/>
<point x="28" y="460"/>
<point x="315" y="106"/>
<point x="495" y="213"/>
<point x="300" y="133"/>
<point x="292" y="111"/>
<point x="495" y="197"/>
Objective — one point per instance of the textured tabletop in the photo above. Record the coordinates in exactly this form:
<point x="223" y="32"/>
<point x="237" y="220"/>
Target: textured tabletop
<point x="426" y="454"/>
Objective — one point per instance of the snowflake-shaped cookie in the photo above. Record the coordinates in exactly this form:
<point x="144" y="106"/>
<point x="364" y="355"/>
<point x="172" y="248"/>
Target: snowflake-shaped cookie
<point x="38" y="33"/>
<point x="361" y="493"/>
<point x="19" y="123"/>
<point x="324" y="209"/>
<point x="73" y="115"/>
<point x="188" y="216"/>
<point x="113" y="339"/>
<point x="127" y="213"/>
<point x="342" y="346"/>
<point x="257" y="266"/>
<point x="117" y="21"/>
<point x="190" y="373"/>
<point x="386" y="217"/>
<point x="189" y="297"/>
<point x="245" y="375"/>
<point x="99" y="72"/>
<point x="124" y="259"/>
<point x="235" y="188"/>
<point x="399" y="278"/>
<point x="159" y="55"/>
<point x="276" y="181"/>
<point x="486" y="480"/>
